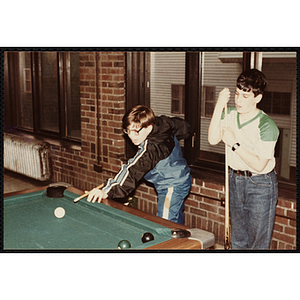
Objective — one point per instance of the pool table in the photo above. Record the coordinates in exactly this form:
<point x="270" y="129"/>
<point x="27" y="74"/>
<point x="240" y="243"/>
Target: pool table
<point x="30" y="224"/>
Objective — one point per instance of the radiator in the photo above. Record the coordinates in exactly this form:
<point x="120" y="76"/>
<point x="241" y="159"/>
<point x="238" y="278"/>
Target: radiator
<point x="27" y="157"/>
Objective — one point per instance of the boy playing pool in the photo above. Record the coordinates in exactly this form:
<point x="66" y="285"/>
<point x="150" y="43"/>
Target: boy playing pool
<point x="251" y="136"/>
<point x="158" y="159"/>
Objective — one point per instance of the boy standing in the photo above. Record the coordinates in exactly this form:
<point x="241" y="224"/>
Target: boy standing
<point x="158" y="159"/>
<point x="251" y="136"/>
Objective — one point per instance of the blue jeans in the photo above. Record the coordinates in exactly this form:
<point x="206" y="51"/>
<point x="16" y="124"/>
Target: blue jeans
<point x="252" y="209"/>
<point x="170" y="204"/>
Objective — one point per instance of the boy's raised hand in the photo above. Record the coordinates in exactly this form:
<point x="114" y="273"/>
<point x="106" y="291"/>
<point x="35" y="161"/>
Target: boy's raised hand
<point x="224" y="97"/>
<point x="214" y="130"/>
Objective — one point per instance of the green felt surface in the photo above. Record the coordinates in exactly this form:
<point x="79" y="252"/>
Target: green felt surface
<point x="30" y="223"/>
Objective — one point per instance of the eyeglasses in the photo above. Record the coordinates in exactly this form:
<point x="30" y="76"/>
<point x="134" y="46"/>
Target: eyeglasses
<point x="136" y="132"/>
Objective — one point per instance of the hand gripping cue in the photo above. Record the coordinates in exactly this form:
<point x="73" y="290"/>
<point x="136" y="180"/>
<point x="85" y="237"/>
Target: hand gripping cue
<point x="86" y="194"/>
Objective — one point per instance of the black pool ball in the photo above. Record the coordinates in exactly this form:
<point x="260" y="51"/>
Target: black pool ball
<point x="147" y="237"/>
<point x="124" y="244"/>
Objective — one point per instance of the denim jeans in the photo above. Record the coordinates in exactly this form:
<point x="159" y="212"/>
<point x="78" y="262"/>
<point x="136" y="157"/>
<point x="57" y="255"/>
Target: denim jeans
<point x="252" y="209"/>
<point x="170" y="204"/>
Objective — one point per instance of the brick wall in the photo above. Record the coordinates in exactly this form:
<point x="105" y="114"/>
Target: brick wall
<point x="284" y="233"/>
<point x="102" y="88"/>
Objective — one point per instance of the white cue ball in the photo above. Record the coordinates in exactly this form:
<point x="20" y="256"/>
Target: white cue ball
<point x="59" y="212"/>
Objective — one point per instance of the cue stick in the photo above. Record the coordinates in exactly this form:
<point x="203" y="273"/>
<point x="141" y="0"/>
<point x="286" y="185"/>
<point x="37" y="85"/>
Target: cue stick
<point x="227" y="239"/>
<point x="87" y="193"/>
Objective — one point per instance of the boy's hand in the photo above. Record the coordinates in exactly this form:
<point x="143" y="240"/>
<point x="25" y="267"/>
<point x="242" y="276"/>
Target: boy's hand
<point x="228" y="137"/>
<point x="214" y="131"/>
<point x="224" y="97"/>
<point x="96" y="195"/>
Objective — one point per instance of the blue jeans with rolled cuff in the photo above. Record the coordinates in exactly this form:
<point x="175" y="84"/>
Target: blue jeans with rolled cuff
<point x="253" y="202"/>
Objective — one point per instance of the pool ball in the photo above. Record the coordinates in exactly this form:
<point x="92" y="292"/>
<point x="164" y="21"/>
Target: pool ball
<point x="124" y="244"/>
<point x="59" y="212"/>
<point x="147" y="237"/>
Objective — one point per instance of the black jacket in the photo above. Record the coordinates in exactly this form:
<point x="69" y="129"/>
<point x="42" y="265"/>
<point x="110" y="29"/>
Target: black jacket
<point x="159" y="159"/>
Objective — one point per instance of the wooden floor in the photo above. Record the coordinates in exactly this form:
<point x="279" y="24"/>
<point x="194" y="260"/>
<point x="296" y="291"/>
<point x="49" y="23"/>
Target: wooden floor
<point x="14" y="182"/>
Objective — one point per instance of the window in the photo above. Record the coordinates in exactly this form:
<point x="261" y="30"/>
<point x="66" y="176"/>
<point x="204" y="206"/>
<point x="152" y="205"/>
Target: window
<point x="210" y="72"/>
<point x="25" y="110"/>
<point x="27" y="81"/>
<point x="167" y="83"/>
<point x="43" y="93"/>
<point x="276" y="103"/>
<point x="280" y="103"/>
<point x="73" y="96"/>
<point x="208" y="100"/>
<point x="178" y="98"/>
<point x="49" y="92"/>
<point x="214" y="74"/>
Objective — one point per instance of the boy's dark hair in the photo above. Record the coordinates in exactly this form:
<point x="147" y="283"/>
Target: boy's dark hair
<point x="139" y="114"/>
<point x="252" y="80"/>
